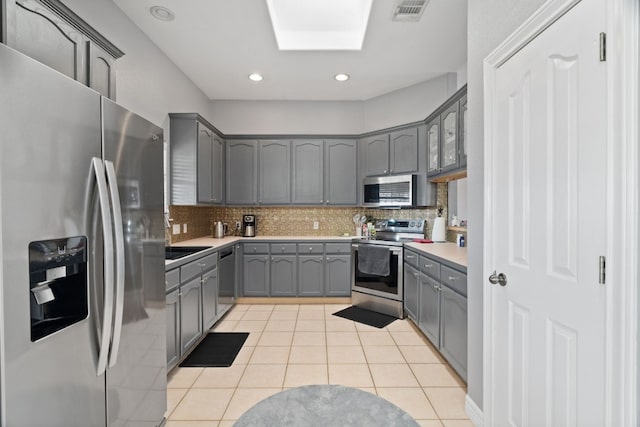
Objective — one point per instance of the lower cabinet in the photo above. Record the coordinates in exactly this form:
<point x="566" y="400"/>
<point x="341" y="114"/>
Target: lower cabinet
<point x="209" y="298"/>
<point x="429" y="308"/>
<point x="283" y="275"/>
<point x="453" y="329"/>
<point x="256" y="275"/>
<point x="173" y="327"/>
<point x="338" y="275"/>
<point x="310" y="282"/>
<point x="190" y="314"/>
<point x="411" y="283"/>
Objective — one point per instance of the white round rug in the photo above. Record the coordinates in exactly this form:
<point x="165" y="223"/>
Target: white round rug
<point x="325" y="405"/>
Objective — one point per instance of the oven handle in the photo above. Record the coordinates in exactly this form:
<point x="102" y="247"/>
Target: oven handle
<point x="396" y="250"/>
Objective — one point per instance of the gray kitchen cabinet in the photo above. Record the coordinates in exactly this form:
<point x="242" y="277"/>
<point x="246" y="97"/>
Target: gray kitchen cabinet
<point x="433" y="146"/>
<point x="209" y="298"/>
<point x="274" y="172"/>
<point x="256" y="275"/>
<point x="196" y="161"/>
<point x="190" y="314"/>
<point x="337" y="275"/>
<point x="462" y="133"/>
<point x="308" y="172"/>
<point x="173" y="328"/>
<point x="53" y="34"/>
<point x="411" y="291"/>
<point x="449" y="138"/>
<point x="403" y="151"/>
<point x="283" y="275"/>
<point x="241" y="172"/>
<point x="376" y="155"/>
<point x="310" y="275"/>
<point x="341" y="172"/>
<point x="429" y="308"/>
<point x="453" y="329"/>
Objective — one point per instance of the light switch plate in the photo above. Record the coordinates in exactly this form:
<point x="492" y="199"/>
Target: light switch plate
<point x="176" y="228"/>
<point x="184" y="228"/>
<point x="316" y="225"/>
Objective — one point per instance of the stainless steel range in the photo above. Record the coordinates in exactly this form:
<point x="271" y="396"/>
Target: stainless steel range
<point x="376" y="276"/>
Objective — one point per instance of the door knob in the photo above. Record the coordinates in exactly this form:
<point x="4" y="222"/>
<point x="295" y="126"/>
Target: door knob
<point x="496" y="279"/>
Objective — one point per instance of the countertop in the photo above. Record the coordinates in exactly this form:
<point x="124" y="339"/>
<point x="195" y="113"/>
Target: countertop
<point x="447" y="252"/>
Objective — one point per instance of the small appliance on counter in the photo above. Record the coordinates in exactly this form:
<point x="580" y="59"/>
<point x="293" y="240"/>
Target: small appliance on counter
<point x="439" y="232"/>
<point x="249" y="225"/>
<point x="220" y="229"/>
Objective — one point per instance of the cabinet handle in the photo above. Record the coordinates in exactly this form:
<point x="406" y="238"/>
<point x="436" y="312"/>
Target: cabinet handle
<point x="428" y="265"/>
<point x="328" y="258"/>
<point x="390" y="170"/>
<point x="202" y="265"/>
<point x="310" y="249"/>
<point x="282" y="249"/>
<point x="266" y="258"/>
<point x="320" y="200"/>
<point x="415" y="274"/>
<point x="327" y="200"/>
<point x="452" y="278"/>
<point x="385" y="171"/>
<point x="410" y="257"/>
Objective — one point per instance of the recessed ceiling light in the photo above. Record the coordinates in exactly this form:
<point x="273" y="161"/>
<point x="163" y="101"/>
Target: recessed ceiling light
<point x="255" y="77"/>
<point x="341" y="77"/>
<point x="162" y="13"/>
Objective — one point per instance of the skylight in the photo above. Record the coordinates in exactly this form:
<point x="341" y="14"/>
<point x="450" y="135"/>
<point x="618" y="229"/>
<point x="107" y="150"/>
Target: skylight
<point x="319" y="24"/>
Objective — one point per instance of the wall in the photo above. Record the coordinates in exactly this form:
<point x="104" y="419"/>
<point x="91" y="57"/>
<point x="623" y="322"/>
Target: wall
<point x="292" y="220"/>
<point x="146" y="81"/>
<point x="489" y="23"/>
<point x="461" y="76"/>
<point x="402" y="106"/>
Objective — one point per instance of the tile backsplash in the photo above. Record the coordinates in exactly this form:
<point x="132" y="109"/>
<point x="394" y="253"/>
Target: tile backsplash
<point x="292" y="220"/>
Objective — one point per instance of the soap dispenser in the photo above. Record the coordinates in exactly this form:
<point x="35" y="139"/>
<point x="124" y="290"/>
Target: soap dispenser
<point x="439" y="232"/>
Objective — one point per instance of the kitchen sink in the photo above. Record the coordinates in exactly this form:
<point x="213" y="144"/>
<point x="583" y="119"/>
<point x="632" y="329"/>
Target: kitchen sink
<point x="176" y="252"/>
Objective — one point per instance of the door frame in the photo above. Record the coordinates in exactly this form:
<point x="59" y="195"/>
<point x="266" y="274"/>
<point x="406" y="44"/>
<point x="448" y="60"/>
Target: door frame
<point x="621" y="305"/>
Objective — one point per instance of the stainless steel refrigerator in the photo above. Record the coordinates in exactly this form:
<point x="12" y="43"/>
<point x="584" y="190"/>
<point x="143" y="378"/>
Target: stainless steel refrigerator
<point x="82" y="320"/>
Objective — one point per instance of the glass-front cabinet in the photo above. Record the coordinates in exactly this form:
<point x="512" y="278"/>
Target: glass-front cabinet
<point x="433" y="146"/>
<point x="463" y="131"/>
<point x="449" y="138"/>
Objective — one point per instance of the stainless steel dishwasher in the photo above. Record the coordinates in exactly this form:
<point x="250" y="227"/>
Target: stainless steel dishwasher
<point x="227" y="280"/>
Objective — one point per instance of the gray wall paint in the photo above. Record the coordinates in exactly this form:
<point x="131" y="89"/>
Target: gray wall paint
<point x="489" y="23"/>
<point x="147" y="82"/>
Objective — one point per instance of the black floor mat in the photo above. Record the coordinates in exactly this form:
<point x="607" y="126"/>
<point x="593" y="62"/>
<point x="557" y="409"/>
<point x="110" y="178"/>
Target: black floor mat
<point x="367" y="317"/>
<point x="217" y="349"/>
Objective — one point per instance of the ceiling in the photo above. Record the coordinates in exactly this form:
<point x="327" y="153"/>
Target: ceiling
<point x="218" y="43"/>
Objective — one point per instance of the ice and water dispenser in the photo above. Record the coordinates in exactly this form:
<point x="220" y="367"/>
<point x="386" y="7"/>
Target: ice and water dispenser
<point x="58" y="284"/>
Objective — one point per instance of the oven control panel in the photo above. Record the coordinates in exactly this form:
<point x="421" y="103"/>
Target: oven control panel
<point x="400" y="225"/>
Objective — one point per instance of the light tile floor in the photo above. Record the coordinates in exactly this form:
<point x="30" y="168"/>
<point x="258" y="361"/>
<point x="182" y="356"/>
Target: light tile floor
<point x="295" y="345"/>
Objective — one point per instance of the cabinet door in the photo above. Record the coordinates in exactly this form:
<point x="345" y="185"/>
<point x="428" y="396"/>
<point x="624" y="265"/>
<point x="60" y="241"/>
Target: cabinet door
<point x="311" y="271"/>
<point x="411" y="292"/>
<point x="45" y="37"/>
<point x="429" y="308"/>
<point x="341" y="172"/>
<point x="241" y="172"/>
<point x="209" y="298"/>
<point x="462" y="133"/>
<point x="453" y="330"/>
<point x="376" y="155"/>
<point x="275" y="168"/>
<point x="217" y="172"/>
<point x="449" y="138"/>
<point x="256" y="275"/>
<point x="307" y="172"/>
<point x="101" y="72"/>
<point x="173" y="328"/>
<point x="205" y="153"/>
<point x="283" y="275"/>
<point x="403" y="147"/>
<point x="433" y="146"/>
<point x="338" y="276"/>
<point x="190" y="314"/>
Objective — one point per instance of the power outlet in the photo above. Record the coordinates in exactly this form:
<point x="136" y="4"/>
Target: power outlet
<point x="176" y="228"/>
<point x="237" y="225"/>
<point x="316" y="225"/>
<point x="184" y="228"/>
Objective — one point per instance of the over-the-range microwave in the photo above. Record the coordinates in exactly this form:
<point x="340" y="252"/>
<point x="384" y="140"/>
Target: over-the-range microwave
<point x="390" y="191"/>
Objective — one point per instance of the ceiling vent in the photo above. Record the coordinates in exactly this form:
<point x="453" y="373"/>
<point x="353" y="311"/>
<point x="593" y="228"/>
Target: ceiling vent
<point x="409" y="10"/>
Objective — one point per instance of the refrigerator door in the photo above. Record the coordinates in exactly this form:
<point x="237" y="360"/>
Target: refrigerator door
<point x="50" y="132"/>
<point x="136" y="378"/>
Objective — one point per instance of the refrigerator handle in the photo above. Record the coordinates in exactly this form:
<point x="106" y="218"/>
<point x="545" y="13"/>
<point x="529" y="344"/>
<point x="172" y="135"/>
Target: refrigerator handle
<point x="119" y="245"/>
<point x="107" y="231"/>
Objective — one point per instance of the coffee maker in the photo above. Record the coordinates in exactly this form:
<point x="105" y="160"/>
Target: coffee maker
<point x="249" y="225"/>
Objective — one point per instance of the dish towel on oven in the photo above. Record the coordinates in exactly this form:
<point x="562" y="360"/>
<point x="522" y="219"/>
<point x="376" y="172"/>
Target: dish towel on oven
<point x="373" y="260"/>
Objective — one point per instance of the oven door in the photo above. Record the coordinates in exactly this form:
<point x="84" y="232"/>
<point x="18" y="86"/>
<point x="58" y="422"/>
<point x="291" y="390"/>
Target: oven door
<point x="383" y="286"/>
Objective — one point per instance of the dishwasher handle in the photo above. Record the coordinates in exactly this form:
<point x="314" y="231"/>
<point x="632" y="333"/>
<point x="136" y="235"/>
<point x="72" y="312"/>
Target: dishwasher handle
<point x="226" y="252"/>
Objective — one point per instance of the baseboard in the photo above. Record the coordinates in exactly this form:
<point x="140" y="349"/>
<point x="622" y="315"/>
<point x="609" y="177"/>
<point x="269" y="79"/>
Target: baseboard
<point x="474" y="413"/>
<point x="293" y="300"/>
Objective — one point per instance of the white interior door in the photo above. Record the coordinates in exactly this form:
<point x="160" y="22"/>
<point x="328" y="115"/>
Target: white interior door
<point x="547" y="227"/>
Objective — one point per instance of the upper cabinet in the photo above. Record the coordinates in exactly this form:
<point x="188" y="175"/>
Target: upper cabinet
<point x="51" y="33"/>
<point x="341" y="172"/>
<point x="447" y="139"/>
<point x="391" y="153"/>
<point x="242" y="172"/>
<point x="197" y="165"/>
<point x="307" y="185"/>
<point x="275" y="172"/>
